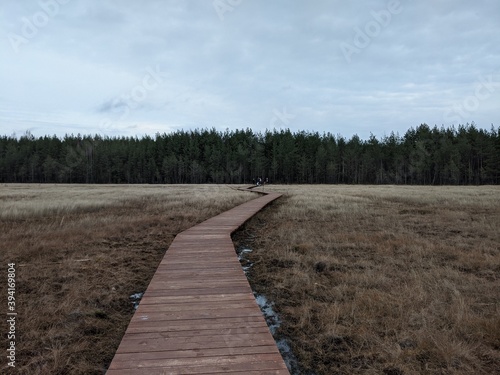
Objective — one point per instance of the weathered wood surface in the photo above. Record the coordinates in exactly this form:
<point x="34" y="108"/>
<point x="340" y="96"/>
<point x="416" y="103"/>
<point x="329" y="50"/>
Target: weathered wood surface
<point x="198" y="314"/>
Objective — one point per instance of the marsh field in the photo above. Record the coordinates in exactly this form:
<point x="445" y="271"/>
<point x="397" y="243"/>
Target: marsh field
<point x="382" y="279"/>
<point x="366" y="279"/>
<point x="81" y="251"/>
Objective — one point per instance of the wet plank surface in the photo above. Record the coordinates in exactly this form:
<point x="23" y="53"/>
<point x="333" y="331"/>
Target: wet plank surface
<point x="198" y="314"/>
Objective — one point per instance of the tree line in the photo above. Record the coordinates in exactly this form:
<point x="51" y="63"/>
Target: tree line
<point x="423" y="155"/>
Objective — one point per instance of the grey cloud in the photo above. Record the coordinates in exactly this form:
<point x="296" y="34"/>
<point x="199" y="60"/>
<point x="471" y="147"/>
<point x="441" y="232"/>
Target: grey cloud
<point x="112" y="106"/>
<point x="262" y="57"/>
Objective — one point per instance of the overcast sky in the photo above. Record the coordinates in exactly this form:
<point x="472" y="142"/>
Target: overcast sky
<point x="123" y="67"/>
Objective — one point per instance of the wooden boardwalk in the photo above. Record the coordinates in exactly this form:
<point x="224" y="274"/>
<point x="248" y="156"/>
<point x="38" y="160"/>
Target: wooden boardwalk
<point x="198" y="314"/>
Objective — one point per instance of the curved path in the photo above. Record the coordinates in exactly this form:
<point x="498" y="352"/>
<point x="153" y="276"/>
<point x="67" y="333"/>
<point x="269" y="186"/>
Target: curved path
<point x="198" y="314"/>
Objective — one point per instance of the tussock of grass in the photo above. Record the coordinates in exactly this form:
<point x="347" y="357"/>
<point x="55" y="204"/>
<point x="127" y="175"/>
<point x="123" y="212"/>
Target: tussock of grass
<point x="384" y="280"/>
<point x="81" y="251"/>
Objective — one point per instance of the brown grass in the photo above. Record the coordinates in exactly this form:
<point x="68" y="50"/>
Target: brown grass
<point x="80" y="252"/>
<point x="383" y="280"/>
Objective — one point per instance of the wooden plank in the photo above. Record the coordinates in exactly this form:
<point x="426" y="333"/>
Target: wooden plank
<point x="222" y="367"/>
<point x="205" y="364"/>
<point x="196" y="306"/>
<point x="190" y="353"/>
<point x="151" y="371"/>
<point x="186" y="343"/>
<point x="201" y="324"/>
<point x="201" y="291"/>
<point x="189" y="332"/>
<point x="195" y="299"/>
<point x="198" y="314"/>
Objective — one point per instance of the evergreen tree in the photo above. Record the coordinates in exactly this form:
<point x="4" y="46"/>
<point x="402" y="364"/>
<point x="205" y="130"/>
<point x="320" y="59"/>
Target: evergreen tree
<point x="466" y="155"/>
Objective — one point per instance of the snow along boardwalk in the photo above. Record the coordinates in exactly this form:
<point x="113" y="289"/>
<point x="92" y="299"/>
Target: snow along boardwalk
<point x="198" y="314"/>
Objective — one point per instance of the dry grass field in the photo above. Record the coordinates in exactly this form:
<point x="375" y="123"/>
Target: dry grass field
<point x="367" y="280"/>
<point x="383" y="280"/>
<point x="80" y="252"/>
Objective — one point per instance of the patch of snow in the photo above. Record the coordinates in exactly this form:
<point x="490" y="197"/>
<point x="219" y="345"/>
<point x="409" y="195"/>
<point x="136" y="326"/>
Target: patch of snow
<point x="288" y="356"/>
<point x="273" y="321"/>
<point x="245" y="263"/>
<point x="247" y="268"/>
<point x="242" y="251"/>
<point x="136" y="298"/>
<point x="272" y="318"/>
